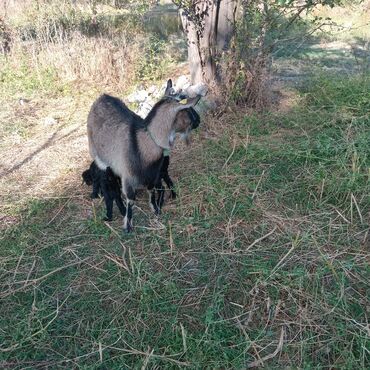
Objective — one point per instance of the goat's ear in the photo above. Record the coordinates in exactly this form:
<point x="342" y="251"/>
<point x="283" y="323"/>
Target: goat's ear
<point x="188" y="103"/>
<point x="168" y="90"/>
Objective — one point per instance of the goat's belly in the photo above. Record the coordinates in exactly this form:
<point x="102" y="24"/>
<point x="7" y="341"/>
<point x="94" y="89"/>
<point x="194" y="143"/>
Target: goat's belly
<point x="140" y="183"/>
<point x="100" y="163"/>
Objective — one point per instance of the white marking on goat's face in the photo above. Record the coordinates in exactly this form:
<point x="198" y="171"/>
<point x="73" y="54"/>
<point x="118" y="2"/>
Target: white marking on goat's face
<point x="172" y="137"/>
<point x="185" y="136"/>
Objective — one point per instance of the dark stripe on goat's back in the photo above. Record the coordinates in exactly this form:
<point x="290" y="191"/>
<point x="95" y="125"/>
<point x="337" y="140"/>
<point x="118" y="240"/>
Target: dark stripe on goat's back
<point x="110" y="106"/>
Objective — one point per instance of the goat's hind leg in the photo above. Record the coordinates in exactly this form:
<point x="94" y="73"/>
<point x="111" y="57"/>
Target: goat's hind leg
<point x="129" y="194"/>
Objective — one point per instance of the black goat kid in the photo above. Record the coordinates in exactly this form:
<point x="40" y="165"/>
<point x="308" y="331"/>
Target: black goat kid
<point x="108" y="185"/>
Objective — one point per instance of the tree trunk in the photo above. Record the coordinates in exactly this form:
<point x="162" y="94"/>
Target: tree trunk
<point x="209" y="26"/>
<point x="226" y="20"/>
<point x="194" y="55"/>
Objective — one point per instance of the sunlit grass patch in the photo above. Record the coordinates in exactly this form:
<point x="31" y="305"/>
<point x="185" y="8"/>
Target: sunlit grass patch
<point x="22" y="81"/>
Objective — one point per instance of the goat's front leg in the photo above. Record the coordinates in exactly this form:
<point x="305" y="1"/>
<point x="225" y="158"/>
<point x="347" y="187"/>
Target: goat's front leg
<point x="167" y="179"/>
<point x="129" y="193"/>
<point x="156" y="204"/>
<point x="120" y="204"/>
<point x="152" y="201"/>
<point x="160" y="192"/>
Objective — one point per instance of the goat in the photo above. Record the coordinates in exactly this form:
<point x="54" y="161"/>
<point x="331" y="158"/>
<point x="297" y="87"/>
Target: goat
<point x="106" y="183"/>
<point x="133" y="148"/>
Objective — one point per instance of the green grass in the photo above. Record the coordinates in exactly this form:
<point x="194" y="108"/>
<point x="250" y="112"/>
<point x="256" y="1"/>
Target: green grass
<point x="269" y="235"/>
<point x="22" y="80"/>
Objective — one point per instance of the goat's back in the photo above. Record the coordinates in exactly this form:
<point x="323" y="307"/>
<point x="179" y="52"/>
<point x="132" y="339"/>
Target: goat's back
<point x="110" y="124"/>
<point x="109" y="110"/>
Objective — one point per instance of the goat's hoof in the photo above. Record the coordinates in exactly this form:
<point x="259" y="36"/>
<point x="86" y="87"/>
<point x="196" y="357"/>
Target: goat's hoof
<point x="128" y="229"/>
<point x="94" y="196"/>
<point x="173" y="195"/>
<point x="108" y="219"/>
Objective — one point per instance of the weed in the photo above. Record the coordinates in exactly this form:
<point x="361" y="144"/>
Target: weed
<point x="155" y="60"/>
<point x="23" y="80"/>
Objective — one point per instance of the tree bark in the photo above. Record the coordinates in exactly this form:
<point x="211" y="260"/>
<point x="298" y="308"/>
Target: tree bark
<point x="209" y="27"/>
<point x="194" y="56"/>
<point x="226" y="23"/>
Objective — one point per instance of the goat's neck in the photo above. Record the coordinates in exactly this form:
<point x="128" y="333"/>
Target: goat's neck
<point x="160" y="129"/>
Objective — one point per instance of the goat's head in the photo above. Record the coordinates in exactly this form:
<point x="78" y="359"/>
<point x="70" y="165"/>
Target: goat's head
<point x="87" y="177"/>
<point x="166" y="119"/>
<point x="187" y="119"/>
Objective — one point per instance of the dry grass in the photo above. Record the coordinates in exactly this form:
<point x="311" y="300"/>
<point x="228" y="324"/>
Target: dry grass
<point x="64" y="46"/>
<point x="79" y="60"/>
<point x="90" y="62"/>
<point x="350" y="22"/>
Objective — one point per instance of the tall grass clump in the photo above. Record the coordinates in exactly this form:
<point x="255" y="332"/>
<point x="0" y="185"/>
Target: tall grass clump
<point x="337" y="148"/>
<point x="99" y="49"/>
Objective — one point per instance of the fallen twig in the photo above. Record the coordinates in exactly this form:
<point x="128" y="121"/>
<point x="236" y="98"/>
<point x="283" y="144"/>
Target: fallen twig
<point x="28" y="282"/>
<point x="272" y="355"/>
<point x="260" y="239"/>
